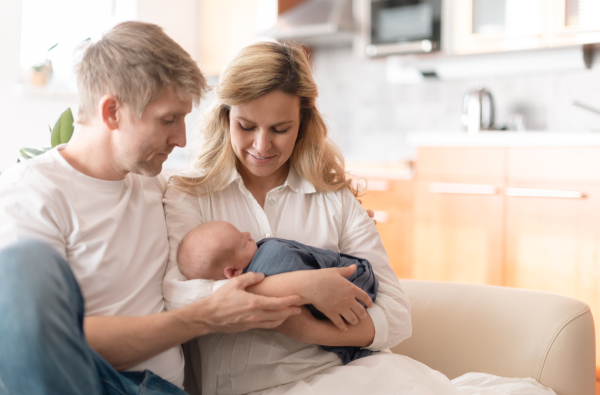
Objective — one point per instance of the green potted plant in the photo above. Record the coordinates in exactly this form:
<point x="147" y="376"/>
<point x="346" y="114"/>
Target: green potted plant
<point x="41" y="72"/>
<point x="60" y="134"/>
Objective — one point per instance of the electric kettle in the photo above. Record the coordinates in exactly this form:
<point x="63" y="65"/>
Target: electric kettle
<point x="478" y="111"/>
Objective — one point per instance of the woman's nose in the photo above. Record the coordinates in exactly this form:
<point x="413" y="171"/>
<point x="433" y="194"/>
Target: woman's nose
<point x="262" y="142"/>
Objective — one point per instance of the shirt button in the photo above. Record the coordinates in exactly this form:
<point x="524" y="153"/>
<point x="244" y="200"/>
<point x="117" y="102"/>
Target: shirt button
<point x="271" y="202"/>
<point x="267" y="235"/>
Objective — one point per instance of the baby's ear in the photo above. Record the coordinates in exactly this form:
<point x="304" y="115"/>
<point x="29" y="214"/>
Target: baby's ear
<point x="229" y="272"/>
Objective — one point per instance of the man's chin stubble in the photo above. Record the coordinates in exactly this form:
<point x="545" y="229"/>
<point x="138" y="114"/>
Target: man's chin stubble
<point x="148" y="169"/>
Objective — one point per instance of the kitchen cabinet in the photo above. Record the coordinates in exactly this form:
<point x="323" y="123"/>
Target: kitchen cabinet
<point x="457" y="215"/>
<point x="225" y="26"/>
<point x="575" y="22"/>
<point x="553" y="223"/>
<point x="553" y="242"/>
<point x="390" y="199"/>
<point x="514" y="216"/>
<point x="483" y="26"/>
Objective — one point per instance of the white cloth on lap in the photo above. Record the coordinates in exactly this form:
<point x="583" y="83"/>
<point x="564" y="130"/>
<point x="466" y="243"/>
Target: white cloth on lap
<point x="379" y="374"/>
<point x="488" y="384"/>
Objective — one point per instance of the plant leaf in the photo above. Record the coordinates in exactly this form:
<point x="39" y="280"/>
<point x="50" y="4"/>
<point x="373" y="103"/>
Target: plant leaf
<point x="55" y="137"/>
<point x="34" y="151"/>
<point x="66" y="126"/>
<point x="24" y="155"/>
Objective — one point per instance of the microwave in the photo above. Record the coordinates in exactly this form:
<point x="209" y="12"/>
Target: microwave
<point x="402" y="26"/>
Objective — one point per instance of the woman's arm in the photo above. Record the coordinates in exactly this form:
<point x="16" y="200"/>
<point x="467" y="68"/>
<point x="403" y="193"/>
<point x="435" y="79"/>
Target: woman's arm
<point x="327" y="289"/>
<point x="308" y="329"/>
<point x="389" y="316"/>
<point x="391" y="311"/>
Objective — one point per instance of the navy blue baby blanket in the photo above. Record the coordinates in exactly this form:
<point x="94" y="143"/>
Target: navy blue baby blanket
<point x="275" y="256"/>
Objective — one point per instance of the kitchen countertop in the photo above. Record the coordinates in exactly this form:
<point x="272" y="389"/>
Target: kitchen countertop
<point x="390" y="171"/>
<point x="503" y="139"/>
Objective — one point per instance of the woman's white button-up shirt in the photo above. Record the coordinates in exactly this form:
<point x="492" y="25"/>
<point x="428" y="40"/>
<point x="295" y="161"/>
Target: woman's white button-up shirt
<point x="296" y="211"/>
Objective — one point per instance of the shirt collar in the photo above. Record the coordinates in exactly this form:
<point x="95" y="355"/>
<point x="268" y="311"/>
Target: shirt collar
<point x="297" y="183"/>
<point x="294" y="181"/>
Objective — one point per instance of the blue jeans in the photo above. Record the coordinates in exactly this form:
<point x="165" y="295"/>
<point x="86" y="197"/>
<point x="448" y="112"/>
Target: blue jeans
<point x="43" y="349"/>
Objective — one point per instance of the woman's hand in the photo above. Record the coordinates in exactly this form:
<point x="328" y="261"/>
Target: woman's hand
<point x="232" y="309"/>
<point x="370" y="212"/>
<point x="336" y="297"/>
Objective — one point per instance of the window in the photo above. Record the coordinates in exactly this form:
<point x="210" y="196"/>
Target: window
<point x="66" y="23"/>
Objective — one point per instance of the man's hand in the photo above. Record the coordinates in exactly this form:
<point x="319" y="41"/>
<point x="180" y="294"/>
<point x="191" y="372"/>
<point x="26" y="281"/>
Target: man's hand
<point x="232" y="309"/>
<point x="336" y="297"/>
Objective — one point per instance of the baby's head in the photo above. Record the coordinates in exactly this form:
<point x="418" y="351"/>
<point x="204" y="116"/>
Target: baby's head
<point x="215" y="251"/>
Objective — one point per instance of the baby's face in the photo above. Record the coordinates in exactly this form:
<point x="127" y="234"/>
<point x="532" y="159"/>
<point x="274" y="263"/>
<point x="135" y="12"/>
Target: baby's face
<point x="243" y="250"/>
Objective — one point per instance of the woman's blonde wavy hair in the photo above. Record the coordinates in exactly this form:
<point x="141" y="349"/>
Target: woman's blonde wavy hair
<point x="256" y="70"/>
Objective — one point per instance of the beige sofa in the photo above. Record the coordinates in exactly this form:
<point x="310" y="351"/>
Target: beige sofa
<point x="460" y="328"/>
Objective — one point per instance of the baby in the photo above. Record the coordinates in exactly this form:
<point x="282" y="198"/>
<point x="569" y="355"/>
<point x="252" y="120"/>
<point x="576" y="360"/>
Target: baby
<point x="216" y="251"/>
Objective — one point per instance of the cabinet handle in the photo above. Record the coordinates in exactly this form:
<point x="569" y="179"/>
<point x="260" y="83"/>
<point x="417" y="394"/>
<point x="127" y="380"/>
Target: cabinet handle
<point x="549" y="193"/>
<point x="470" y="189"/>
<point x="381" y="216"/>
<point x="378" y="185"/>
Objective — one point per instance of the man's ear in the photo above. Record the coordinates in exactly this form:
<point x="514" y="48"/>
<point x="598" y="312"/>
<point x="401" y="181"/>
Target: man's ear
<point x="109" y="111"/>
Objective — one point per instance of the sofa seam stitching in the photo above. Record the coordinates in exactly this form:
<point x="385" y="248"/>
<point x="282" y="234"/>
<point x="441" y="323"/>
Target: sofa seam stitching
<point x="558" y="331"/>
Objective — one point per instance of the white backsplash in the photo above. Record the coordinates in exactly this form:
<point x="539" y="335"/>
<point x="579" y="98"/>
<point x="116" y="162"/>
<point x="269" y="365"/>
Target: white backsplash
<point x="370" y="117"/>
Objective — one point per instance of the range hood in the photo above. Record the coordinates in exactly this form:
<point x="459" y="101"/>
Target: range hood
<point x="316" y="22"/>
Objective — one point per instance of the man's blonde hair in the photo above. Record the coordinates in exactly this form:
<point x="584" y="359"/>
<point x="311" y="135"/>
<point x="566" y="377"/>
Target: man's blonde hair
<point x="256" y="70"/>
<point x="135" y="61"/>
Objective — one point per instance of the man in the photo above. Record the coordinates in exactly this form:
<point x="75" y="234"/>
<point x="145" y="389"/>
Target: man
<point x="86" y="219"/>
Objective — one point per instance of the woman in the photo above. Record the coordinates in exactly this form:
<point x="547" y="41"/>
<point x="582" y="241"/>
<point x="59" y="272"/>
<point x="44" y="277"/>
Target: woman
<point x="268" y="168"/>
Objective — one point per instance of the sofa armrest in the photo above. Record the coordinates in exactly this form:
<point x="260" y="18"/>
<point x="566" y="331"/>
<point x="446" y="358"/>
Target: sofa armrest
<point x="509" y="332"/>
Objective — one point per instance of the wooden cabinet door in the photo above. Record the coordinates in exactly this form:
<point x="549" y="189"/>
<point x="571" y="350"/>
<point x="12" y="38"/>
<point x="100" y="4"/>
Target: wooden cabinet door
<point x="390" y="199"/>
<point x="226" y="26"/>
<point x="553" y="243"/>
<point x="482" y="26"/>
<point x="574" y="22"/>
<point x="456" y="232"/>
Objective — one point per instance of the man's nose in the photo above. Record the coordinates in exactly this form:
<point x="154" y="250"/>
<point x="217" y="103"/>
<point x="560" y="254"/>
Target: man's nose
<point x="262" y="142"/>
<point x="179" y="137"/>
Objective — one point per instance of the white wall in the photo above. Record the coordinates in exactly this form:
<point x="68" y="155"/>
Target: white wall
<point x="25" y="117"/>
<point x="179" y="18"/>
